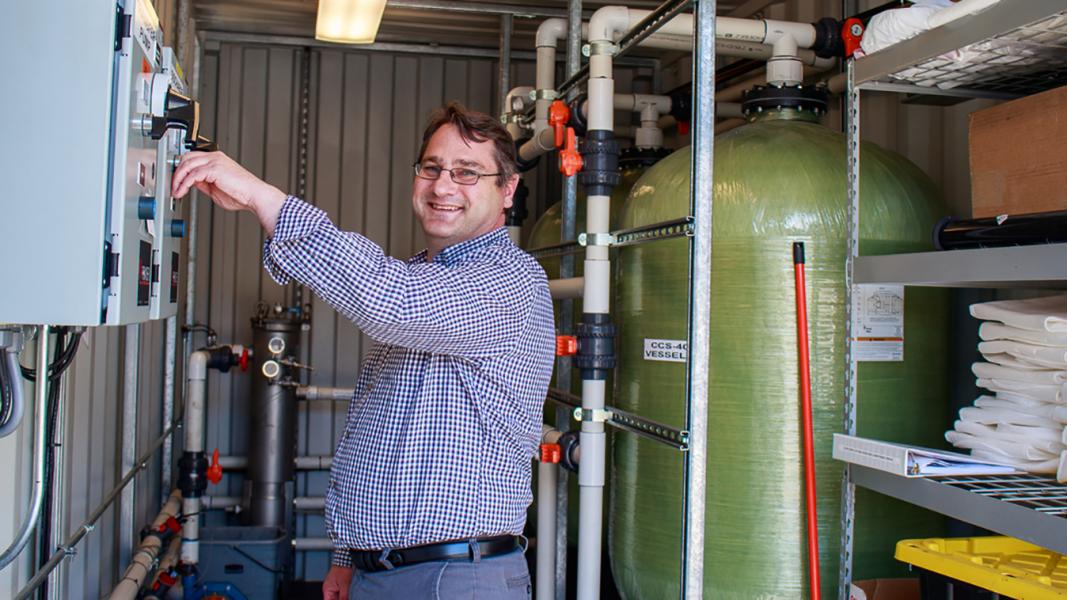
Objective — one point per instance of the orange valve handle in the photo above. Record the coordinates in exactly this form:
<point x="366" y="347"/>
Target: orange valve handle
<point x="558" y="117"/>
<point x="214" y="470"/>
<point x="551" y="453"/>
<point x="570" y="161"/>
<point x="566" y="345"/>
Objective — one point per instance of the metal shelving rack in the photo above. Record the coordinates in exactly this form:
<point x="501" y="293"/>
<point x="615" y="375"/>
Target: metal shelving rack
<point x="1010" y="49"/>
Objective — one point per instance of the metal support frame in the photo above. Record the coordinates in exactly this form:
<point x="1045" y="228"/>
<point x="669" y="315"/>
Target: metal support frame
<point x="702" y="190"/>
<point x="848" y="488"/>
<point x="131" y="382"/>
<point x="568" y="231"/>
<point x="504" y="66"/>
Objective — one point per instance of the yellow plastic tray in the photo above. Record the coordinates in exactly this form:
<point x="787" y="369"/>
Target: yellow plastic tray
<point x="999" y="564"/>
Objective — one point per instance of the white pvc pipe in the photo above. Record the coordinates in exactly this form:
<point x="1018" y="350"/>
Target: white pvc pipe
<point x="596" y="300"/>
<point x="310" y="544"/>
<point x="216" y="502"/>
<point x="566" y="289"/>
<point x="546" y="531"/>
<point x="195" y="407"/>
<point x="313" y="392"/>
<point x="143" y="562"/>
<point x="309" y="503"/>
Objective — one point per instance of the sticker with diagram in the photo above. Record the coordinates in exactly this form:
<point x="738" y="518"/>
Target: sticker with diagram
<point x="878" y="322"/>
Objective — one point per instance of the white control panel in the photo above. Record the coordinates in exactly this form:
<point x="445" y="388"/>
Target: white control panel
<point x="94" y="122"/>
<point x="166" y="225"/>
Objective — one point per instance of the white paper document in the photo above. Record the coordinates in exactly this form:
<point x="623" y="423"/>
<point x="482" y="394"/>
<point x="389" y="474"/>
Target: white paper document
<point x="911" y="461"/>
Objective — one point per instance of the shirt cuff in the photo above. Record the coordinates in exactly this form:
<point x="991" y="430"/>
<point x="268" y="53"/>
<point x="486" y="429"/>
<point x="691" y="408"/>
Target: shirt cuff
<point x="296" y="220"/>
<point x="342" y="557"/>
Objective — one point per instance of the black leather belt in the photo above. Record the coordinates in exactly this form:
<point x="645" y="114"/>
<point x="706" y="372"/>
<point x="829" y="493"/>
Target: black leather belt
<point x="381" y="560"/>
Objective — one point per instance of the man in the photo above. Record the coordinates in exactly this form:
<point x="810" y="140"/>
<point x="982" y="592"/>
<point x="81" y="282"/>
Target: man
<point x="431" y="478"/>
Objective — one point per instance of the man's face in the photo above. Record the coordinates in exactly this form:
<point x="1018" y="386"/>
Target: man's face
<point x="449" y="212"/>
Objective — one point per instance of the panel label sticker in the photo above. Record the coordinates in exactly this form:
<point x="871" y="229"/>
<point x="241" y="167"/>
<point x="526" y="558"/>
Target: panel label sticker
<point x="878" y="323"/>
<point x="666" y="350"/>
<point x="144" y="274"/>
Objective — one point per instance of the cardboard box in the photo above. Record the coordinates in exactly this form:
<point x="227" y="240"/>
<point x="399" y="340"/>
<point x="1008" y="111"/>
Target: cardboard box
<point x="885" y="589"/>
<point x="1019" y="156"/>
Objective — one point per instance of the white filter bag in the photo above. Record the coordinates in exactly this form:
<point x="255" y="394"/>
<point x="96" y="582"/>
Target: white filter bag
<point x="1045" y="356"/>
<point x="984" y="370"/>
<point x="991" y="330"/>
<point x="1048" y="313"/>
<point x="1007" y="360"/>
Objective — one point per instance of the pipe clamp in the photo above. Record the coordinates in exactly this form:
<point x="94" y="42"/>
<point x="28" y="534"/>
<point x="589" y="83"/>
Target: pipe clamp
<point x="599" y="48"/>
<point x="596" y="239"/>
<point x="592" y="415"/>
<point x="536" y="95"/>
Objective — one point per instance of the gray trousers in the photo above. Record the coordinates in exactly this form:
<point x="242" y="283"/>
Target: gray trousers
<point x="504" y="577"/>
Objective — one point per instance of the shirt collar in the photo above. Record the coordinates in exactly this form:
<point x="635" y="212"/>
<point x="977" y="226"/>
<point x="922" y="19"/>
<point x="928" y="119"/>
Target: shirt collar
<point x="452" y="255"/>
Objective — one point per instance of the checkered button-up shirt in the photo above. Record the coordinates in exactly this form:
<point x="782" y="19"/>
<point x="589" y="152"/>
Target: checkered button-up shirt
<point x="446" y="413"/>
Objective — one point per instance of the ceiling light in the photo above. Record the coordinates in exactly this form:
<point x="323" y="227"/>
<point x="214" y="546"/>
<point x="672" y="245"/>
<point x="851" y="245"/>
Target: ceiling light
<point x="349" y="21"/>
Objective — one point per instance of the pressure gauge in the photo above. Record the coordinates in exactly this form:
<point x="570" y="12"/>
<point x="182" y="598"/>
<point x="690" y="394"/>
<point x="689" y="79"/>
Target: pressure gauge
<point x="276" y="345"/>
<point x="271" y="369"/>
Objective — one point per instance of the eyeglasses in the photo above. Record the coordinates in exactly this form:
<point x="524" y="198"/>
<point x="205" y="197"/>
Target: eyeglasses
<point x="459" y="175"/>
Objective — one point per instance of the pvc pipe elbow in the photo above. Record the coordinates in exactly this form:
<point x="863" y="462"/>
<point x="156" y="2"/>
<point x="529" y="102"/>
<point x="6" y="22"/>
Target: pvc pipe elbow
<point x="606" y="21"/>
<point x="803" y="34"/>
<point x="550" y="32"/>
<point x="784" y="67"/>
<point x="198" y="365"/>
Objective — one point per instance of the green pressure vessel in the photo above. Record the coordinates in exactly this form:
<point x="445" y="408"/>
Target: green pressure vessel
<point x="778" y="179"/>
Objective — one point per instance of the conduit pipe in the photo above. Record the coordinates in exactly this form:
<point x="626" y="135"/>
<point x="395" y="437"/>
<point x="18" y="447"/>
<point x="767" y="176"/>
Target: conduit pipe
<point x="309" y="503"/>
<point x="39" y="440"/>
<point x="14" y="377"/>
<point x="143" y="562"/>
<point x="195" y="407"/>
<point x="219" y="502"/>
<point x="566" y="289"/>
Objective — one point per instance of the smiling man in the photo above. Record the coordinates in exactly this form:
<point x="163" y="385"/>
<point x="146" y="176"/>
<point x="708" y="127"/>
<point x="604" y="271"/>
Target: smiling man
<point x="431" y="478"/>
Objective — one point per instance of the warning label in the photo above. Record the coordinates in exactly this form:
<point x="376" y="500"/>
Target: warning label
<point x="878" y="322"/>
<point x="666" y="350"/>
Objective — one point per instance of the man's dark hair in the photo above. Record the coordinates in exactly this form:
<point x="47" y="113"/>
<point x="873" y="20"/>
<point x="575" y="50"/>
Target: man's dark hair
<point x="475" y="127"/>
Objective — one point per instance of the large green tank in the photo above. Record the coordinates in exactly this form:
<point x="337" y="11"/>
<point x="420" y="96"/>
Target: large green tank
<point x="778" y="179"/>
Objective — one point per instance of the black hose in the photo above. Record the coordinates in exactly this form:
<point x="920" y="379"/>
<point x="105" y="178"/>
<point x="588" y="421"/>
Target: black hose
<point x="60" y="364"/>
<point x="45" y="524"/>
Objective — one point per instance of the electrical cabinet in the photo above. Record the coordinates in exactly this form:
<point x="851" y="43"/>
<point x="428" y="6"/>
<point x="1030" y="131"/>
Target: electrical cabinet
<point x="93" y="122"/>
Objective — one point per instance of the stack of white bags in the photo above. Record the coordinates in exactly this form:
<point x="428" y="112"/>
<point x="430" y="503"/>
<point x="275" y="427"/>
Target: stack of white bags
<point x="1024" y="343"/>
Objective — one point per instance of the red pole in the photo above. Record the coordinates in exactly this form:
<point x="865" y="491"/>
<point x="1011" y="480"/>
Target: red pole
<point x="806" y="420"/>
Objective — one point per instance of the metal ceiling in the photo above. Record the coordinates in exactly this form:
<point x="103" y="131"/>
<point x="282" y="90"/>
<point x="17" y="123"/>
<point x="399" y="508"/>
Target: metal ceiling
<point x="404" y="25"/>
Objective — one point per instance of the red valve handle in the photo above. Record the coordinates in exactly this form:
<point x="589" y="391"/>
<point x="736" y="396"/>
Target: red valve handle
<point x="570" y="161"/>
<point x="566" y="345"/>
<point x="558" y="117"/>
<point x="852" y="34"/>
<point x="214" y="470"/>
<point x="243" y="361"/>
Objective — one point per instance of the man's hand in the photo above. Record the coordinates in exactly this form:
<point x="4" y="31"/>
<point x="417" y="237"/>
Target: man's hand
<point x="229" y="185"/>
<point x="335" y="587"/>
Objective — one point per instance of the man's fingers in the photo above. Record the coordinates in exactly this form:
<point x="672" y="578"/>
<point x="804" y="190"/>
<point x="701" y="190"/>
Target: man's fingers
<point x="189" y="162"/>
<point x="196" y="175"/>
